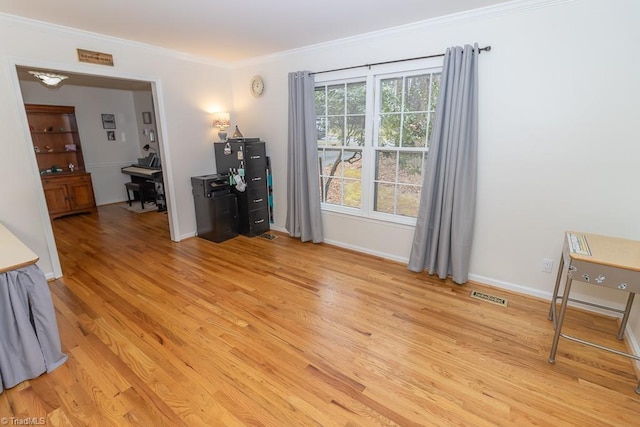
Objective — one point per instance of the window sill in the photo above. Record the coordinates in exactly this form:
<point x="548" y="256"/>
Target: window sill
<point x="377" y="218"/>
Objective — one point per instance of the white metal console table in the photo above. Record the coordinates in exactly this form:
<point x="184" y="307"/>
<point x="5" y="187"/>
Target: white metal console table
<point x="599" y="260"/>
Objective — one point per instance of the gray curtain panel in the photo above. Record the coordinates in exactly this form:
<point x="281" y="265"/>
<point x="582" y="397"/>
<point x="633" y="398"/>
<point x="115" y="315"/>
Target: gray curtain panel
<point x="444" y="229"/>
<point x="304" y="218"/>
<point x="29" y="340"/>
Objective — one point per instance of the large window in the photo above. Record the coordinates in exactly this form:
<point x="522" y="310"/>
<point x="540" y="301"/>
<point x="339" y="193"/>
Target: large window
<point x="373" y="135"/>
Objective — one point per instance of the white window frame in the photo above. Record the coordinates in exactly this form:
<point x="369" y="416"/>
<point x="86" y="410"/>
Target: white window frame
<point x="343" y="148"/>
<point x="372" y="76"/>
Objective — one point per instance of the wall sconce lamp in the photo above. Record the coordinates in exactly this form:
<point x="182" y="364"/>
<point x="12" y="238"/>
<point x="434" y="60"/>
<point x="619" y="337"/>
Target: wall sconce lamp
<point x="221" y="121"/>
<point x="50" y="80"/>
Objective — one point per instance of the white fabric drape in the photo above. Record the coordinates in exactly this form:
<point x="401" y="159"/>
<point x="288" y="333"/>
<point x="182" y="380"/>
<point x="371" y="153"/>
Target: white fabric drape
<point x="304" y="218"/>
<point x="444" y="229"/>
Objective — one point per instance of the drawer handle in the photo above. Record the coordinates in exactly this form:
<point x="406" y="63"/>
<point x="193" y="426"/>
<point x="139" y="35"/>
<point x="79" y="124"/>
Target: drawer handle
<point x="257" y="178"/>
<point x="257" y="200"/>
<point x="255" y="157"/>
<point x="622" y="286"/>
<point x="258" y="221"/>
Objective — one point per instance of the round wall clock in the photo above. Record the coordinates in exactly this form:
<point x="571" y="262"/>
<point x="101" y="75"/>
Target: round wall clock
<point x="257" y="86"/>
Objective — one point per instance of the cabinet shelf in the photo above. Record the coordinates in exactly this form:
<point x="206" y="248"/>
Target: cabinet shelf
<point x="63" y="173"/>
<point x="56" y="152"/>
<point x="52" y="132"/>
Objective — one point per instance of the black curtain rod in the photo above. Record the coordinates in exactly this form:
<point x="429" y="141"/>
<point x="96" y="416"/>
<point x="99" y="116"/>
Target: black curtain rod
<point x="482" y="49"/>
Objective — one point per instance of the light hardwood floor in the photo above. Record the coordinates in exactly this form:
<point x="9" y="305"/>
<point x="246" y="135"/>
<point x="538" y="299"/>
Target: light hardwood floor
<point x="278" y="333"/>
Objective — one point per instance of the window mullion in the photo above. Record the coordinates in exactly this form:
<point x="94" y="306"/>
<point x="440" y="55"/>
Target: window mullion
<point x="345" y="129"/>
<point x="368" y="150"/>
<point x="430" y="108"/>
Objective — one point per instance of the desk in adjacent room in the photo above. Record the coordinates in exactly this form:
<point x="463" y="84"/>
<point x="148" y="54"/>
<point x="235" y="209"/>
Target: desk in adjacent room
<point x="609" y="262"/>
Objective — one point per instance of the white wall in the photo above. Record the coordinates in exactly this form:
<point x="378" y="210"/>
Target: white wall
<point x="143" y="102"/>
<point x="102" y="158"/>
<point x="186" y="90"/>
<point x="558" y="138"/>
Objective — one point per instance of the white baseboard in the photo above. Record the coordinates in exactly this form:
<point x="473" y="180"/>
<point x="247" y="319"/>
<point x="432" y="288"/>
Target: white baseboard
<point x="111" y="202"/>
<point x="367" y="251"/>
<point x="634" y="348"/>
<point x="511" y="287"/>
<point x="188" y="235"/>
<point x="281" y="229"/>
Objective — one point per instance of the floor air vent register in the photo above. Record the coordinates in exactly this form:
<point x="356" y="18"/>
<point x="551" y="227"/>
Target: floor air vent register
<point x="489" y="298"/>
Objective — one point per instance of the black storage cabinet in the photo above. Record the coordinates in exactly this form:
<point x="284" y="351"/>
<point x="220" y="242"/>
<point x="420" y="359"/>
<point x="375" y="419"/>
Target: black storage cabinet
<point x="216" y="209"/>
<point x="253" y="203"/>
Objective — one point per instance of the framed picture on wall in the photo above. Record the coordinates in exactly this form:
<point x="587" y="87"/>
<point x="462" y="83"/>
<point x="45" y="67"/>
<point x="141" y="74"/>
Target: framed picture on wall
<point x="108" y="121"/>
<point x="111" y="135"/>
<point x="146" y="118"/>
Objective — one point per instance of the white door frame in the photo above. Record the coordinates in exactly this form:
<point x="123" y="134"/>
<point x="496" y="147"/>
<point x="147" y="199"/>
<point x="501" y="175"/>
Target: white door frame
<point x="163" y="142"/>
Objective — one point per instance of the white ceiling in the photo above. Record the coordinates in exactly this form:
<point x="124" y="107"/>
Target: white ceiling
<point x="236" y="30"/>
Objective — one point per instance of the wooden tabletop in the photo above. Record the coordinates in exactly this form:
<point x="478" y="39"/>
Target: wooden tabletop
<point x="13" y="253"/>
<point x="612" y="251"/>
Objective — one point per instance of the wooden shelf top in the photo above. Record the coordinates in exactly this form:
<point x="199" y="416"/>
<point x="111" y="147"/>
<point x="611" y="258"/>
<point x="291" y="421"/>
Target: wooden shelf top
<point x="52" y="132"/>
<point x="49" y="109"/>
<point x="13" y="253"/>
<point x="57" y="152"/>
<point x="611" y="251"/>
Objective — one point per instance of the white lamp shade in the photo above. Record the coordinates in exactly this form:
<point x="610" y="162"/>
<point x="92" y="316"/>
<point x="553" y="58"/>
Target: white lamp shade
<point x="221" y="120"/>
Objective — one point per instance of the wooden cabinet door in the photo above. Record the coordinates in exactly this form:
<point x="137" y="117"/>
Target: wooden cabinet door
<point x="81" y="195"/>
<point x="57" y="198"/>
<point x="68" y="194"/>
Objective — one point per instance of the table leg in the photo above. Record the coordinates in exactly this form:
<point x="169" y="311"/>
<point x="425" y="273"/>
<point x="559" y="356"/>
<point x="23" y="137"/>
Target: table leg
<point x="625" y="318"/>
<point x="563" y="309"/>
<point x="555" y="290"/>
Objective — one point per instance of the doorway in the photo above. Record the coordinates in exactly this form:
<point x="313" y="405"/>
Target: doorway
<point x="136" y="133"/>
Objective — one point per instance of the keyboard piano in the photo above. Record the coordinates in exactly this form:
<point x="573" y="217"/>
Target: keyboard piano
<point x="144" y="173"/>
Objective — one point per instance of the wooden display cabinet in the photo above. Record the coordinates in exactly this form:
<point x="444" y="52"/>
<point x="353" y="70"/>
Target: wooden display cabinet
<point x="67" y="185"/>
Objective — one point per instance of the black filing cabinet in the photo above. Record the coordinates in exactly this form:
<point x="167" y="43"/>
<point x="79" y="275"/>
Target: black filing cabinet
<point x="248" y="154"/>
<point x="216" y="209"/>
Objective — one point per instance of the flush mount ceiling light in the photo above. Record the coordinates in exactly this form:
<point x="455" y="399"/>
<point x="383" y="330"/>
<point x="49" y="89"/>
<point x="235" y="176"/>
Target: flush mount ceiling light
<point x="48" y="79"/>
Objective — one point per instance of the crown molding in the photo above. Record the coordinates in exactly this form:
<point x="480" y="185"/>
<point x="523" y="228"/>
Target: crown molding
<point x="508" y="8"/>
<point x="55" y="29"/>
<point x="511" y="7"/>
